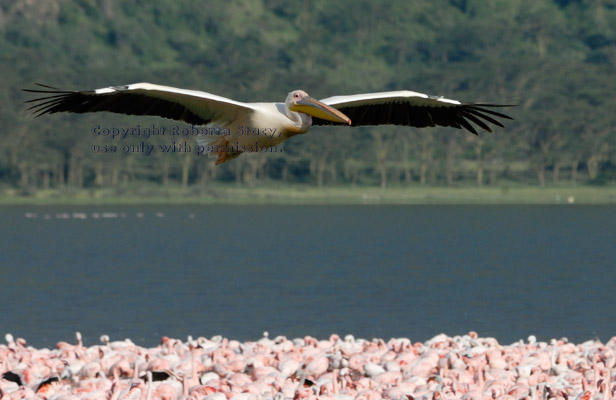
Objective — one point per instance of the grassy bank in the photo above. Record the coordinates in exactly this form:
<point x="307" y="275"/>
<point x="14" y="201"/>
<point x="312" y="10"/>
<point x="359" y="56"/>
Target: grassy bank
<point x="305" y="194"/>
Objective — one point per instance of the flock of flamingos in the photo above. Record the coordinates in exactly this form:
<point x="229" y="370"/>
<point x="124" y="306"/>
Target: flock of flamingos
<point x="460" y="367"/>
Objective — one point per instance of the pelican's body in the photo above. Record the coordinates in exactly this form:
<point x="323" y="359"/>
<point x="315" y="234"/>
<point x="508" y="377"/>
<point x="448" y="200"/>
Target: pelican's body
<point x="266" y="126"/>
<point x="237" y="127"/>
<point x="269" y="123"/>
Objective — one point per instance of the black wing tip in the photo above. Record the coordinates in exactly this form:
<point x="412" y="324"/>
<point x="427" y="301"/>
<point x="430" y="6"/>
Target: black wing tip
<point x="481" y="112"/>
<point x="45" y="86"/>
<point x="53" y="89"/>
<point x="485" y="107"/>
<point x="45" y="104"/>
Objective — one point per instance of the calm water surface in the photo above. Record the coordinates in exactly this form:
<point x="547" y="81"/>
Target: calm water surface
<point x="372" y="271"/>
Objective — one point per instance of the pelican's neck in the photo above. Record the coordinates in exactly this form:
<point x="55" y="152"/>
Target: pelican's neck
<point x="302" y="121"/>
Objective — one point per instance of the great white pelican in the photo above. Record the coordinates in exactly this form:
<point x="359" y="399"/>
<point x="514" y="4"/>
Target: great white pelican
<point x="256" y="126"/>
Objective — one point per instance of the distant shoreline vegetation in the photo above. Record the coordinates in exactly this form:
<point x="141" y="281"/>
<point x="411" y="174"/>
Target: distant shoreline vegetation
<point x="561" y="75"/>
<point x="233" y="194"/>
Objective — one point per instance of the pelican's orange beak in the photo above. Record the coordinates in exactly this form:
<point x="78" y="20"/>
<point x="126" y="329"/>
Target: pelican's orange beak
<point x="310" y="106"/>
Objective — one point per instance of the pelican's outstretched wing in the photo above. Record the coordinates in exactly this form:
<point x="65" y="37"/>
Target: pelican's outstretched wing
<point x="412" y="109"/>
<point x="191" y="106"/>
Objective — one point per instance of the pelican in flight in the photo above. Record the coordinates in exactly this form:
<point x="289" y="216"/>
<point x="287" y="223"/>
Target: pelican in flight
<point x="251" y="127"/>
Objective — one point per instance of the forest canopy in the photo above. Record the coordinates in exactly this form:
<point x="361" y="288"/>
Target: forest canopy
<point x="554" y="59"/>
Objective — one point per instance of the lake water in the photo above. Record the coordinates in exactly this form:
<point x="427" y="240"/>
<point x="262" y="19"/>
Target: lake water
<point x="145" y="272"/>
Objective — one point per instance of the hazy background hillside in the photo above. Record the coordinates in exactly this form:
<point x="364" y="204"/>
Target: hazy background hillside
<point x="555" y="58"/>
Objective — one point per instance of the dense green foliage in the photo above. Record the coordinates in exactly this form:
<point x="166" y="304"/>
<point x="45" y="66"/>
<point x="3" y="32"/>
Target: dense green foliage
<point x="554" y="58"/>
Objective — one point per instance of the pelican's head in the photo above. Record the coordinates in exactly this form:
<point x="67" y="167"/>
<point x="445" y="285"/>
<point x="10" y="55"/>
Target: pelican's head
<point x="299" y="101"/>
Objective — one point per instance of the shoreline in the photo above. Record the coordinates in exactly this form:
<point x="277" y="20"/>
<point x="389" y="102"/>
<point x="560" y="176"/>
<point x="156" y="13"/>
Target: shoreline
<point x="310" y="195"/>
